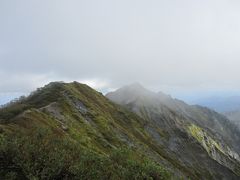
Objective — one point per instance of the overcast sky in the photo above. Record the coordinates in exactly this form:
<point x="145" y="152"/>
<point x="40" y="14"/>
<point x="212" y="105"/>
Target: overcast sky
<point x="182" y="47"/>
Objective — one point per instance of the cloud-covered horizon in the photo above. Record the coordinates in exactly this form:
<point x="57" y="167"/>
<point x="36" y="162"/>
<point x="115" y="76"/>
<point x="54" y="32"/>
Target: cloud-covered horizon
<point x="174" y="46"/>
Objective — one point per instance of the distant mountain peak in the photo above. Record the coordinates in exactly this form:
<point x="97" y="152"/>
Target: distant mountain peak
<point x="130" y="93"/>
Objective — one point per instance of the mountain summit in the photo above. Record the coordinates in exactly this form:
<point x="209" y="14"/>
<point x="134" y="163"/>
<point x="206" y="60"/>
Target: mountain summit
<point x="129" y="93"/>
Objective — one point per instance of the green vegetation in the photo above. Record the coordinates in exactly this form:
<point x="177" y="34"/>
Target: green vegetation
<point x="70" y="131"/>
<point x="44" y="155"/>
<point x="39" y="98"/>
<point x="213" y="148"/>
<point x="208" y="143"/>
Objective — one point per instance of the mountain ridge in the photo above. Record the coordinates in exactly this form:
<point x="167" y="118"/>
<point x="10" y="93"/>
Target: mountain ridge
<point x="207" y="121"/>
<point x="95" y="138"/>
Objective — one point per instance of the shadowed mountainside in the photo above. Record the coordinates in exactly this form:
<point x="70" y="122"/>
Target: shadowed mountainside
<point x="184" y="129"/>
<point x="234" y="116"/>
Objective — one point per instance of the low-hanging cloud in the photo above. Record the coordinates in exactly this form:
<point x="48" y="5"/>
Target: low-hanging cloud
<point x="166" y="45"/>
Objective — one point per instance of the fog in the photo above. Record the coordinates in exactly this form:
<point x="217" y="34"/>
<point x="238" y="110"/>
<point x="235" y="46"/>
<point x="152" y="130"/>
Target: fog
<point x="186" y="48"/>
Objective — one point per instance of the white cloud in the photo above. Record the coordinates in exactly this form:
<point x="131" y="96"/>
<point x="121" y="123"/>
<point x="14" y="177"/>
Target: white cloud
<point x="168" y="45"/>
<point x="95" y="83"/>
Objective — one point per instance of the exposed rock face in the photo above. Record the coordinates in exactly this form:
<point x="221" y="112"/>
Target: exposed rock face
<point x="180" y="127"/>
<point x="222" y="154"/>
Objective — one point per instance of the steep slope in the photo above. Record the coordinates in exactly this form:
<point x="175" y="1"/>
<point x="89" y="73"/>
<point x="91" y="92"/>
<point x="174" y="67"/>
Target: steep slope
<point x="70" y="131"/>
<point x="228" y="106"/>
<point x="200" y="138"/>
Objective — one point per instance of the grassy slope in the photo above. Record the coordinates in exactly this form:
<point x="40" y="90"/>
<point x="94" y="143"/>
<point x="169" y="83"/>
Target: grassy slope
<point x="71" y="131"/>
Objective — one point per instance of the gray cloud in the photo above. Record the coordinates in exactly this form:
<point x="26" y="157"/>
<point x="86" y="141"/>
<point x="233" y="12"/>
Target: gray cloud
<point x="175" y="46"/>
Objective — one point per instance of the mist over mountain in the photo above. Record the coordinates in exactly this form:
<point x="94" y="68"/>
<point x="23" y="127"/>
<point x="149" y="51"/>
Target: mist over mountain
<point x="234" y="116"/>
<point x="228" y="106"/>
<point x="166" y="45"/>
<point x="220" y="104"/>
<point x="176" y="118"/>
